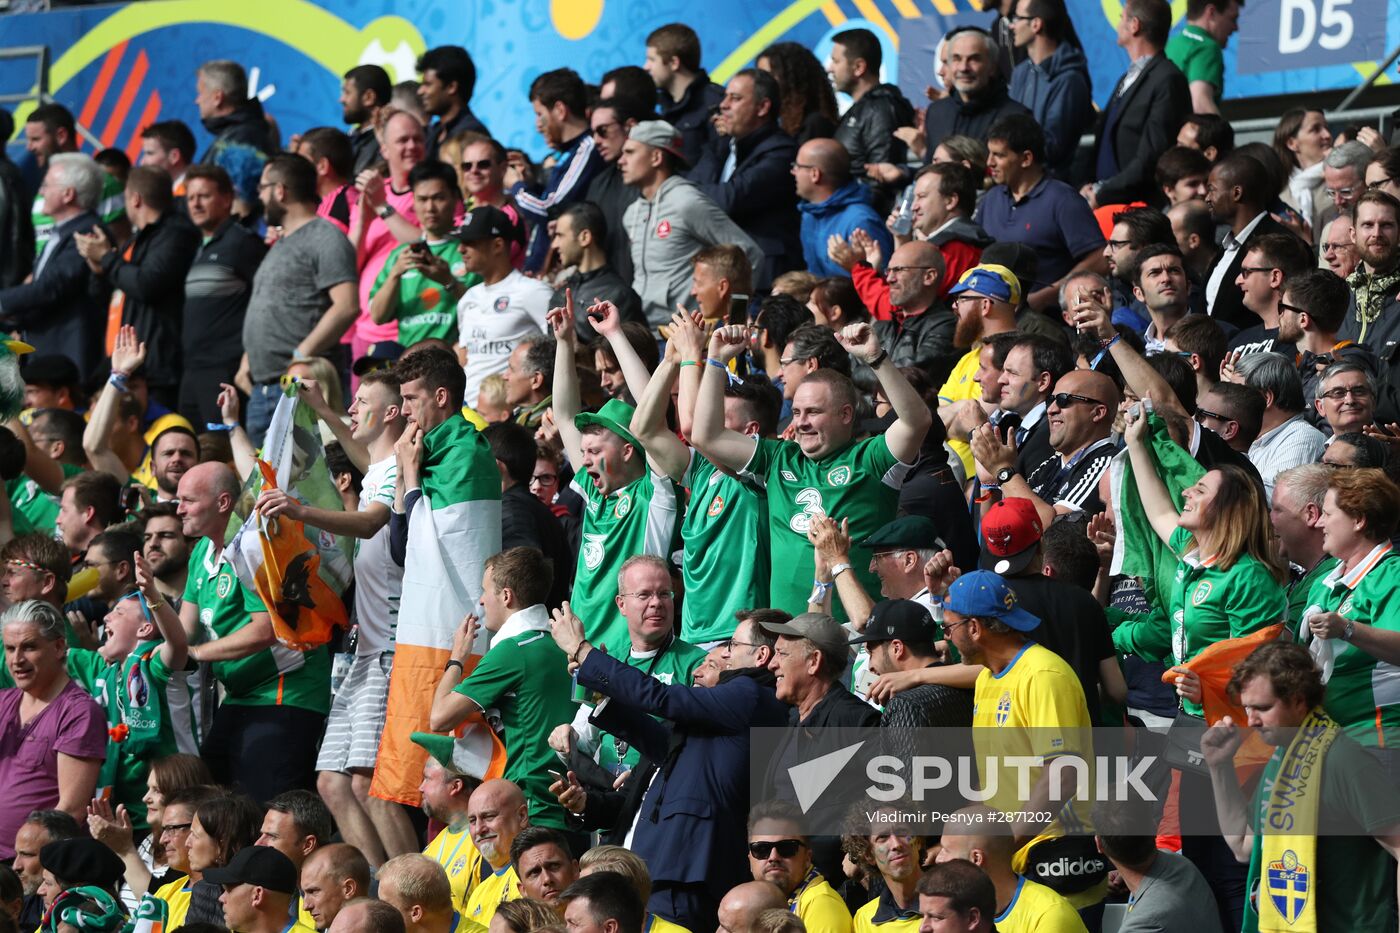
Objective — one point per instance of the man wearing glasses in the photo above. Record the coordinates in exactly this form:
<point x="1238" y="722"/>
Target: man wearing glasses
<point x="1269" y="261"/>
<point x="609" y="123"/>
<point x="1346" y="398"/>
<point x="780" y="854"/>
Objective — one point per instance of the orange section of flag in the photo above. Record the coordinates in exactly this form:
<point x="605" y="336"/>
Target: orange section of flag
<point x="116" y="306"/>
<point x="399" y="768"/>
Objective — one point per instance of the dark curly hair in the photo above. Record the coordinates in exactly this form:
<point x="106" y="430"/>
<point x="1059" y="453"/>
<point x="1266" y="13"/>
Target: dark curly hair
<point x="803" y="84"/>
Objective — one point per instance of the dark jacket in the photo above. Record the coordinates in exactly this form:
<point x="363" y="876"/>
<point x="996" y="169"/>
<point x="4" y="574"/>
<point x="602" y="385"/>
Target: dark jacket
<point x="601" y="283"/>
<point x="365" y="145"/>
<point x="1060" y="97"/>
<point x="16" y="226"/>
<point x="922" y="340"/>
<point x="613" y="198"/>
<point x="761" y="196"/>
<point x="528" y="522"/>
<point x="567" y="182"/>
<point x="691" y="114"/>
<point x="1380" y="349"/>
<point x="1229" y="300"/>
<point x="954" y="116"/>
<point x="440" y="131"/>
<point x="692" y="825"/>
<point x="815" y="125"/>
<point x="64" y="310"/>
<point x="1139" y="128"/>
<point x="246" y="126"/>
<point x="867" y="132"/>
<point x="153" y="281"/>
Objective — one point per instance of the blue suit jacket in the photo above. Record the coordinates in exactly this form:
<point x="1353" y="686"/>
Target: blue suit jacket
<point x="691" y="828"/>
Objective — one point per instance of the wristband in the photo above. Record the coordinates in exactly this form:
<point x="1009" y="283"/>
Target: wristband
<point x="217" y="426"/>
<point x="1105" y="344"/>
<point x="875" y="363"/>
<point x="1349" y="630"/>
<point x="985" y="497"/>
<point x="819" y="593"/>
<point x="838" y="569"/>
<point x="993" y="486"/>
<point x="451" y="663"/>
<point x="690" y="362"/>
<point x="117" y="380"/>
<point x="155" y="607"/>
<point x="733" y="379"/>
<point x="581" y="645"/>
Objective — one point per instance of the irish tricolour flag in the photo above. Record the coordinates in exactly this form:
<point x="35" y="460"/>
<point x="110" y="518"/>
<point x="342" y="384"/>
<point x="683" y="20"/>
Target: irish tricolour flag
<point x="451" y="532"/>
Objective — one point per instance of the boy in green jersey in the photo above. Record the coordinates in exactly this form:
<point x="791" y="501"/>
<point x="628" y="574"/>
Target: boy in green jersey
<point x="825" y="471"/>
<point x="422" y="281"/>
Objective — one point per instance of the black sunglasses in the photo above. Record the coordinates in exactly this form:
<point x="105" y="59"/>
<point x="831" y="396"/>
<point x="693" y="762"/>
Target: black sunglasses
<point x="1285" y="306"/>
<point x="1206" y="413"/>
<point x="1066" y="399"/>
<point x="787" y="848"/>
<point x="482" y="165"/>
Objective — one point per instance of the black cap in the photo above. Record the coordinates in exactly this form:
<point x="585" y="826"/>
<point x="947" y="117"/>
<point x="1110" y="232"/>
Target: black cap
<point x="263" y="866"/>
<point x="1019" y="258"/>
<point x="916" y="532"/>
<point x="82" y="861"/>
<point x="897" y="618"/>
<point x="378" y="355"/>
<point x="50" y="369"/>
<point x="486" y="222"/>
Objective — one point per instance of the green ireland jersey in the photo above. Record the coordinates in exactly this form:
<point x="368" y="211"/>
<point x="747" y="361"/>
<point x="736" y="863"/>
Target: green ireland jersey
<point x="426" y="310"/>
<point x="111" y="206"/>
<point x="1363" y="693"/>
<point x="672" y="665"/>
<point x="276" y="676"/>
<point x="1199" y="57"/>
<point x="32" y="509"/>
<point x="725" y="537"/>
<point x="150" y="711"/>
<point x="859" y="483"/>
<point x="1210" y="604"/>
<point x="1300" y="591"/>
<point x="526" y="678"/>
<point x="639" y="518"/>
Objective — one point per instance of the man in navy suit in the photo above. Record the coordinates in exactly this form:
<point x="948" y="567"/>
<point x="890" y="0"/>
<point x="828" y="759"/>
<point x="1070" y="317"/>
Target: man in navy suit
<point x="690" y="828"/>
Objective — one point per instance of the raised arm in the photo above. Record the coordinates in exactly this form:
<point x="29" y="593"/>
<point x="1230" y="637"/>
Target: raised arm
<point x="174" y="650"/>
<point x="245" y="455"/>
<point x="243" y="642"/>
<point x="913" y="417"/>
<point x="717" y="443"/>
<point x="1092" y="316"/>
<point x="38" y="466"/>
<point x="666" y="453"/>
<point x="127" y="356"/>
<point x="688" y="339"/>
<point x="309" y="391"/>
<point x="1156" y="500"/>
<point x="566" y="402"/>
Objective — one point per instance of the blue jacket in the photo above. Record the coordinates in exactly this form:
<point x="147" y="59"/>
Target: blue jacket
<point x="1060" y="97"/>
<point x="691" y="826"/>
<point x="579" y="161"/>
<point x="846" y="209"/>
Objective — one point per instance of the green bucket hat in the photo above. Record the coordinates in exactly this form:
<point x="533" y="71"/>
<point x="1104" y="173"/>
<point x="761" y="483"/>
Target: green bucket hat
<point x="615" y="415"/>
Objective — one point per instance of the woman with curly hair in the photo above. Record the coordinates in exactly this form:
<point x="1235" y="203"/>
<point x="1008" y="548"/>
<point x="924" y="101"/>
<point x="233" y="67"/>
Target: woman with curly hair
<point x="808" y="109"/>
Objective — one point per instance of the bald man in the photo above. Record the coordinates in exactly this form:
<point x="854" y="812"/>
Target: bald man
<point x="496" y="813"/>
<point x="1022" y="904"/>
<point x="331" y="876"/>
<point x="264" y="736"/>
<point x="1080" y="412"/>
<point x="832" y="203"/>
<point x="744" y="902"/>
<point x="418" y="889"/>
<point x="363" y="915"/>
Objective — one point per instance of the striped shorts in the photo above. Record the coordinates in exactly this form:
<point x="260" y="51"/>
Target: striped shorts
<point x="357" y="715"/>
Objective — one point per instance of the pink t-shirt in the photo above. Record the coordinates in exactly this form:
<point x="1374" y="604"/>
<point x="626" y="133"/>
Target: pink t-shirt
<point x="379" y="242"/>
<point x="73" y="724"/>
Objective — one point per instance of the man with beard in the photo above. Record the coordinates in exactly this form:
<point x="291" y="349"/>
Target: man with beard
<point x="1133" y="230"/>
<point x="895" y="852"/>
<point x="867" y="128"/>
<point x="1376" y="321"/>
<point x="445" y="91"/>
<point x="364" y="89"/>
<point x="781" y="853"/>
<point x="166" y="549"/>
<point x="303" y="296"/>
<point x="113" y="439"/>
<point x="1313" y="309"/>
<point x="496" y="814"/>
<point x="446" y="794"/>
<point x="48" y="130"/>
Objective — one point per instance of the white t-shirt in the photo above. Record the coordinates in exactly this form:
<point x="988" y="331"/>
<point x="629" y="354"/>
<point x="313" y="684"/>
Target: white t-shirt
<point x="492" y="319"/>
<point x="378" y="580"/>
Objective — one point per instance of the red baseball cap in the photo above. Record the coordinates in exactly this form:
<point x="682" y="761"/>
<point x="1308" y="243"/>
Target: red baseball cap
<point x="1011" y="530"/>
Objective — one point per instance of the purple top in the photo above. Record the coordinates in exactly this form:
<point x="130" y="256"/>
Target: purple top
<point x="72" y="724"/>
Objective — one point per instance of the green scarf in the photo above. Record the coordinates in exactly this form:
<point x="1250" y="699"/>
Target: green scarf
<point x="1371" y="290"/>
<point x="86" y="908"/>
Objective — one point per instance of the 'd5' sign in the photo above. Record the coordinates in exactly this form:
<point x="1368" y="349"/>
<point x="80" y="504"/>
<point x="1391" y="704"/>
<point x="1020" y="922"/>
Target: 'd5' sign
<point x="1281" y="34"/>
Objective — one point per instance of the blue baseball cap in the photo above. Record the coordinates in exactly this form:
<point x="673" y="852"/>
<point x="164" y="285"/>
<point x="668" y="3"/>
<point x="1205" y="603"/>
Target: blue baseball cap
<point x="985" y="594"/>
<point x="991" y="281"/>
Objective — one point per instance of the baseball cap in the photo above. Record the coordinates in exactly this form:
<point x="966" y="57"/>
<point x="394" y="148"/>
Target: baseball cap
<point x="818" y="628"/>
<point x="82" y="861"/>
<point x="486" y="222"/>
<point x="660" y="134"/>
<point x="1016" y="256"/>
<point x="615" y="415"/>
<point x="263" y="866"/>
<point x="910" y="531"/>
<point x="990" y="281"/>
<point x="1011" y="529"/>
<point x="377" y="356"/>
<point x="897" y="618"/>
<point x="985" y="595"/>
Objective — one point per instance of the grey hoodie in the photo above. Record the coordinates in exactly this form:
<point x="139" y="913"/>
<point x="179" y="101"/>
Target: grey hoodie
<point x="666" y="233"/>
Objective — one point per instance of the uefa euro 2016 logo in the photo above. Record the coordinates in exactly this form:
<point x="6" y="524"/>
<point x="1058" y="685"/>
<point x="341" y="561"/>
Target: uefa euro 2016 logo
<point x="1289" y="882"/>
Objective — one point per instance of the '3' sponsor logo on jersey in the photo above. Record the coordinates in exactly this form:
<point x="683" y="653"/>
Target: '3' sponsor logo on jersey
<point x="592" y="550"/>
<point x="810" y="501"/>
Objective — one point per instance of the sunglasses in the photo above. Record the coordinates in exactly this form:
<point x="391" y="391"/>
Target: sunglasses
<point x="1066" y="399"/>
<point x="1206" y="413"/>
<point x="482" y="165"/>
<point x="787" y="848"/>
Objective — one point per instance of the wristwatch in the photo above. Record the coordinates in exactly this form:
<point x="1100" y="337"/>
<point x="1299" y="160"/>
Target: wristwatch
<point x="385" y="211"/>
<point x="1349" y="630"/>
<point x="1004" y="475"/>
<point x="838" y="569"/>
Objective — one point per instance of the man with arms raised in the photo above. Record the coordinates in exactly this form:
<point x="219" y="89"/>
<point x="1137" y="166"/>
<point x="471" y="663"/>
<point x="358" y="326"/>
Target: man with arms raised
<point x="825" y="471"/>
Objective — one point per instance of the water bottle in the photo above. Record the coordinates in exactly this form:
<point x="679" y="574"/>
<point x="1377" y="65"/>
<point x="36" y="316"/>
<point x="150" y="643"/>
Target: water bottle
<point x="904" y="214"/>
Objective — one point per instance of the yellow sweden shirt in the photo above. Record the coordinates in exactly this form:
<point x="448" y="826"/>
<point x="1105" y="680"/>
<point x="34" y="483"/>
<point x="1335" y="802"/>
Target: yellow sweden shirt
<point x="655" y="924"/>
<point x="490" y="893"/>
<point x="901" y="922"/>
<point x="1034" y="908"/>
<point x="819" y="907"/>
<point x="962" y="384"/>
<point x="177" y="898"/>
<point x="460" y="858"/>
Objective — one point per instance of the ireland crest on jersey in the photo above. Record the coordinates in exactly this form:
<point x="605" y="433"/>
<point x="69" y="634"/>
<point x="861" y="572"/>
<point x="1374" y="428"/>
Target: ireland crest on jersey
<point x="839" y="476"/>
<point x="1289" y="884"/>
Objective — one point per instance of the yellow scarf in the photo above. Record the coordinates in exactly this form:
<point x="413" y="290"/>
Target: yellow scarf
<point x="1288" y="862"/>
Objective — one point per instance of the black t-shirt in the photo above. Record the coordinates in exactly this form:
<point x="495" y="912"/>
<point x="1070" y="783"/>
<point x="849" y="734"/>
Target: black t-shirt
<point x="1261" y="339"/>
<point x="217" y="289"/>
<point x="1072" y="625"/>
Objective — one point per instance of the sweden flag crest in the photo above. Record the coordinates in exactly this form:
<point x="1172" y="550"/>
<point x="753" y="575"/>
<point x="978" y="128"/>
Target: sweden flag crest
<point x="1289" y="882"/>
